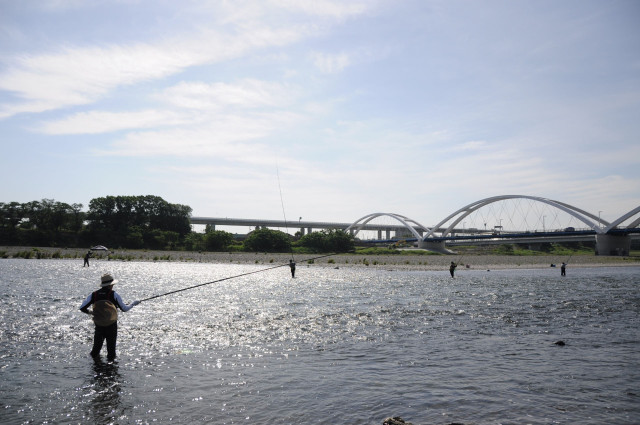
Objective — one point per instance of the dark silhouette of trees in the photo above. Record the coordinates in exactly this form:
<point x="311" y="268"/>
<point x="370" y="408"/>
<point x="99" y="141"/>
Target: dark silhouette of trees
<point x="328" y="241"/>
<point x="137" y="221"/>
<point x="119" y="221"/>
<point x="267" y="240"/>
<point x="46" y="223"/>
<point x="217" y="240"/>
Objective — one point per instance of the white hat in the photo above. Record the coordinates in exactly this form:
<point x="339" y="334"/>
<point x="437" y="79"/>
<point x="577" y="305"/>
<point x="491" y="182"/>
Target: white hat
<point x="107" y="280"/>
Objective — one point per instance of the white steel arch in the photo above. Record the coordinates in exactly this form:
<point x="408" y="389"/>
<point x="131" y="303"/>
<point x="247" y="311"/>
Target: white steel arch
<point x="405" y="221"/>
<point x="630" y="214"/>
<point x="578" y="213"/>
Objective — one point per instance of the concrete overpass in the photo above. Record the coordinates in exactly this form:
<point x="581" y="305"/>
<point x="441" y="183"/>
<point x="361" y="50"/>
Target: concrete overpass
<point x="305" y="226"/>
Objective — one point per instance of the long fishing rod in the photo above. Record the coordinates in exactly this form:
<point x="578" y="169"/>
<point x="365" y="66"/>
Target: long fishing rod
<point x="286" y="226"/>
<point x="228" y="278"/>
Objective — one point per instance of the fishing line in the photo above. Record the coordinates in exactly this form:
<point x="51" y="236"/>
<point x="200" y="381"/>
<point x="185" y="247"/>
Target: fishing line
<point x="286" y="226"/>
<point x="228" y="278"/>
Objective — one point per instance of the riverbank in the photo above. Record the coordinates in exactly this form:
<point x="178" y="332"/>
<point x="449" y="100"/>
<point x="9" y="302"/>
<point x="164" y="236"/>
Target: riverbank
<point x="412" y="261"/>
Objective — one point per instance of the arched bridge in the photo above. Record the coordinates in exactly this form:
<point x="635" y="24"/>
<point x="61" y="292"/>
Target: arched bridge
<point x="611" y="238"/>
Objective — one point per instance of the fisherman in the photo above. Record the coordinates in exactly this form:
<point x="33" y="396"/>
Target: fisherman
<point x="105" y="316"/>
<point x="86" y="259"/>
<point x="452" y="268"/>
<point x="563" y="269"/>
<point x="292" y="266"/>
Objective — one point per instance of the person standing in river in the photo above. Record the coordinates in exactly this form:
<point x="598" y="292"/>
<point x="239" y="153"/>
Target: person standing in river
<point x="563" y="269"/>
<point x="452" y="268"/>
<point x="105" y="302"/>
<point x="292" y="266"/>
<point x="86" y="259"/>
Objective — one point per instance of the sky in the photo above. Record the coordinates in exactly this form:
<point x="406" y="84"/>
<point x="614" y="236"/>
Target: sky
<point x="324" y="110"/>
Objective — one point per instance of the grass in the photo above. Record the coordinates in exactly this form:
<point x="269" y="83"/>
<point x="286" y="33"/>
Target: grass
<point x="391" y="251"/>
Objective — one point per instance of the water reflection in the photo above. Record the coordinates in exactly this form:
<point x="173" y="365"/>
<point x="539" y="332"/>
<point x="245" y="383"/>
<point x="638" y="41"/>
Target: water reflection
<point x="106" y="383"/>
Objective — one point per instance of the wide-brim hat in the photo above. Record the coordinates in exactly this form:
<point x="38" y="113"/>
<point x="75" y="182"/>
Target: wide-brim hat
<point x="107" y="280"/>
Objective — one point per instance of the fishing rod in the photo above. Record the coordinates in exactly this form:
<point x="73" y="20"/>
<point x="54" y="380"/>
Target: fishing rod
<point x="286" y="226"/>
<point x="228" y="278"/>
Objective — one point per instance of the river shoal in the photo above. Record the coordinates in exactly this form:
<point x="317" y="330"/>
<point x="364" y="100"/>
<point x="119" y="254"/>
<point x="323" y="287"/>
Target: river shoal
<point x="389" y="261"/>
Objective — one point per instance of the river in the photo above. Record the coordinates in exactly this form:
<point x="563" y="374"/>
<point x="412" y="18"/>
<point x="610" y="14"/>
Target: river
<point x="334" y="345"/>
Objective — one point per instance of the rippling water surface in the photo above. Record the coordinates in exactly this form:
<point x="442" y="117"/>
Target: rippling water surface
<point x="349" y="345"/>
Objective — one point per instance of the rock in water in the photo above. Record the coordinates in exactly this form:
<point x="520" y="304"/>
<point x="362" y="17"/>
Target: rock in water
<point x="396" y="420"/>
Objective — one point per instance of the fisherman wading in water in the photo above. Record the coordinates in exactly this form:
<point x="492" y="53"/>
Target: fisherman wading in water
<point x="105" y="302"/>
<point x="292" y="266"/>
<point x="452" y="268"/>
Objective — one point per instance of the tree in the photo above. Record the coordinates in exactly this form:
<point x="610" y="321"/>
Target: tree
<point x="10" y="216"/>
<point x="328" y="241"/>
<point x="113" y="218"/>
<point x="194" y="242"/>
<point x="339" y="241"/>
<point x="267" y="240"/>
<point x="217" y="240"/>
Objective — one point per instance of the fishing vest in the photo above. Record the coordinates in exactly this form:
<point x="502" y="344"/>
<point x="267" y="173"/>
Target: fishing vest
<point x="105" y="312"/>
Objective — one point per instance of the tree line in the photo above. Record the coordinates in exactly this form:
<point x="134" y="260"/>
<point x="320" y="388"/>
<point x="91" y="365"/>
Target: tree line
<point x="142" y="222"/>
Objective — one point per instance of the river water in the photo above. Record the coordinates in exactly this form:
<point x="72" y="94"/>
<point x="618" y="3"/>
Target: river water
<point x="332" y="346"/>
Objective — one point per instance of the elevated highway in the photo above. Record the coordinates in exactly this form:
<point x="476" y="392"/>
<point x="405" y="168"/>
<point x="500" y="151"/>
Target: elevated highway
<point x="304" y="226"/>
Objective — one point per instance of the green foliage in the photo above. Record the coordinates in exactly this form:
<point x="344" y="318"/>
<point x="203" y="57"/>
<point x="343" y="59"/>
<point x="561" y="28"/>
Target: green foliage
<point x="45" y="223"/>
<point x="328" y="241"/>
<point x="390" y="251"/>
<point x="112" y="219"/>
<point x="194" y="242"/>
<point x="267" y="240"/>
<point x="217" y="240"/>
<point x="130" y="221"/>
<point x="545" y="249"/>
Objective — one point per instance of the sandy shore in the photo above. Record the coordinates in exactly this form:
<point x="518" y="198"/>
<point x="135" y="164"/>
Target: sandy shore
<point x="395" y="261"/>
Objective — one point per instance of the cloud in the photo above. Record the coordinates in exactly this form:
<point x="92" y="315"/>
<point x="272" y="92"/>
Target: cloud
<point x="224" y="137"/>
<point x="80" y="76"/>
<point x="325" y="8"/>
<point x="187" y="104"/>
<point x="330" y="64"/>
<point x="97" y="122"/>
<point x="248" y="93"/>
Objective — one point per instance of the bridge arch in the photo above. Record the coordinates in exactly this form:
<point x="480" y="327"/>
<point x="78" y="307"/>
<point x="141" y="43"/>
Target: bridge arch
<point x="405" y="221"/>
<point x="625" y="217"/>
<point x="585" y="217"/>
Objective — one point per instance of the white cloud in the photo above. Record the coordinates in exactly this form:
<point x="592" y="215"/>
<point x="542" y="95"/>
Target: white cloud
<point x="331" y="64"/>
<point x="334" y="9"/>
<point x="224" y="137"/>
<point x="188" y="104"/>
<point x="248" y="93"/>
<point x="82" y="75"/>
<point x="97" y="122"/>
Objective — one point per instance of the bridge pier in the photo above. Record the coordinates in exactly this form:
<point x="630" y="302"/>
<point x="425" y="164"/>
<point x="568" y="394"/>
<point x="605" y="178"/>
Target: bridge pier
<point x="607" y="244"/>
<point x="435" y="246"/>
